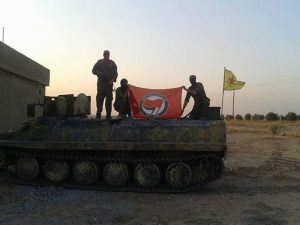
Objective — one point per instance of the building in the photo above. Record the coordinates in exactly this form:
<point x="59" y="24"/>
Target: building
<point x="22" y="88"/>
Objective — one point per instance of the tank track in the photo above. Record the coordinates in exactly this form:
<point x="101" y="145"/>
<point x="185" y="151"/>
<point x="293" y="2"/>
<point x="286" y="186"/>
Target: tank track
<point x="212" y="168"/>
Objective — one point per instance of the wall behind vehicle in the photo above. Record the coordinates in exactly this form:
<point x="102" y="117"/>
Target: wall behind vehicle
<point x="22" y="88"/>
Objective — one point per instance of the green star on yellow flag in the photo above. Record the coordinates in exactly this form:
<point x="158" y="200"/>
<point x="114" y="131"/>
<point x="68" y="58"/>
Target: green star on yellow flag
<point x="230" y="81"/>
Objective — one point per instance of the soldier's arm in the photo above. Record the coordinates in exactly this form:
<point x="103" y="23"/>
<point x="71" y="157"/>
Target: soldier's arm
<point x="187" y="97"/>
<point x="117" y="93"/>
<point x="189" y="90"/>
<point x="115" y="73"/>
<point x="97" y="69"/>
<point x="184" y="105"/>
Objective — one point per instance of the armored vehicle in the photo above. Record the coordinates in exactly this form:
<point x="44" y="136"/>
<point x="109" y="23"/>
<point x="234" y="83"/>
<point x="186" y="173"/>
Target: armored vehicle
<point x="114" y="155"/>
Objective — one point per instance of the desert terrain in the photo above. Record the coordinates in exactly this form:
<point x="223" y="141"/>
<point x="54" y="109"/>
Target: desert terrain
<point x="260" y="186"/>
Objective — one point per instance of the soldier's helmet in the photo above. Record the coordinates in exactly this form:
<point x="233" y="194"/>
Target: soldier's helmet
<point x="193" y="77"/>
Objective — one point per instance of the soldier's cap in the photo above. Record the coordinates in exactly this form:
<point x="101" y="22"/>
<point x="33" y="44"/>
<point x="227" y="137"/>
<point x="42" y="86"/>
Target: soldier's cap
<point x="106" y="52"/>
<point x="193" y="77"/>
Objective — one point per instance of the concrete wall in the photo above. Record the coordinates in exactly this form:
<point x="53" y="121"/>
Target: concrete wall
<point x="22" y="83"/>
<point x="18" y="64"/>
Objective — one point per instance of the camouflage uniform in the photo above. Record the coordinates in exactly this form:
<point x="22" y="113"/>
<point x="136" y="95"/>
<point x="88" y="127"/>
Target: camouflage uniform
<point x="121" y="104"/>
<point x="106" y="71"/>
<point x="201" y="101"/>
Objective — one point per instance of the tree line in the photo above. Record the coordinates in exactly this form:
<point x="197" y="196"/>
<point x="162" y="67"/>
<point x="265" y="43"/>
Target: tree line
<point x="271" y="116"/>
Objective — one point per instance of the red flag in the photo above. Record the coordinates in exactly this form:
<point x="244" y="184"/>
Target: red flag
<point x="155" y="103"/>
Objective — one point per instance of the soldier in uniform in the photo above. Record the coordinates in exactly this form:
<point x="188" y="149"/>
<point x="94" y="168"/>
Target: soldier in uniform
<point x="107" y="73"/>
<point x="201" y="101"/>
<point x="121" y="104"/>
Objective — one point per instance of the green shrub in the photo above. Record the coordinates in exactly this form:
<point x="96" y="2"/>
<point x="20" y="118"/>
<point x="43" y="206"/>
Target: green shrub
<point x="248" y="116"/>
<point x="272" y="116"/>
<point x="239" y="117"/>
<point x="255" y="117"/>
<point x="291" y="116"/>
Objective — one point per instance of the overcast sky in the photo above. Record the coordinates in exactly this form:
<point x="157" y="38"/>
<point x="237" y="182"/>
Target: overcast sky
<point x="158" y="44"/>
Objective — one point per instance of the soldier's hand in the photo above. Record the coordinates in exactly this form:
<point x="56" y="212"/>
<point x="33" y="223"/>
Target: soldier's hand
<point x="184" y="88"/>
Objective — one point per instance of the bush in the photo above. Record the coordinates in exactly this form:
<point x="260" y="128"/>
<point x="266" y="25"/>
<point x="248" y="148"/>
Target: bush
<point x="291" y="116"/>
<point x="239" y="117"/>
<point x="255" y="117"/>
<point x="261" y="117"/>
<point x="271" y="116"/>
<point x="229" y="117"/>
<point x="275" y="129"/>
<point x="248" y="116"/>
<point x="222" y="117"/>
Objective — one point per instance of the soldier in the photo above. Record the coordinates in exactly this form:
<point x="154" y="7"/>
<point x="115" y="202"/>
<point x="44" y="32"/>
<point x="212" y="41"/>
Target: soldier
<point x="121" y="104"/>
<point x="106" y="70"/>
<point x="201" y="101"/>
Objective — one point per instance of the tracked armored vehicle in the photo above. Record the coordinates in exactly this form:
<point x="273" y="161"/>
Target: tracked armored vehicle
<point x="115" y="155"/>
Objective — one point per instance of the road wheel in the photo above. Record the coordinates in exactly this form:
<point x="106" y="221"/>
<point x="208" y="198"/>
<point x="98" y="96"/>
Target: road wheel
<point x="56" y="171"/>
<point x="85" y="172"/>
<point x="27" y="168"/>
<point x="147" y="175"/>
<point x="178" y="175"/>
<point x="115" y="174"/>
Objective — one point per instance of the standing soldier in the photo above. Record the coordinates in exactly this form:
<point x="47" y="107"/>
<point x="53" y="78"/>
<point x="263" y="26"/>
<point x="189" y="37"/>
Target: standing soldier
<point x="121" y="104"/>
<point x="201" y="101"/>
<point x="106" y="70"/>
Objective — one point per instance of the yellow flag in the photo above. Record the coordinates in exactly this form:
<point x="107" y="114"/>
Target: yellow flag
<point x="230" y="81"/>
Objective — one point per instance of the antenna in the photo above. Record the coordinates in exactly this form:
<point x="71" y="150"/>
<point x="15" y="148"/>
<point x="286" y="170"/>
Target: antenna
<point x="3" y="34"/>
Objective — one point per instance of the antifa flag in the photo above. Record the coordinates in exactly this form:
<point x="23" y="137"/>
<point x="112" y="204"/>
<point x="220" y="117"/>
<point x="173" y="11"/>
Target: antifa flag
<point x="155" y="103"/>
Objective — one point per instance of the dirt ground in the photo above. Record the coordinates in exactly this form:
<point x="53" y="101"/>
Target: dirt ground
<point x="260" y="186"/>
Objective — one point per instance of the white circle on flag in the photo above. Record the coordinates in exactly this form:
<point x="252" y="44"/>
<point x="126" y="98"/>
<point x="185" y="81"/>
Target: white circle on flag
<point x="154" y="105"/>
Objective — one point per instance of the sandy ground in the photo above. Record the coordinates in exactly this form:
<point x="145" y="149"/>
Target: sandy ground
<point x="261" y="186"/>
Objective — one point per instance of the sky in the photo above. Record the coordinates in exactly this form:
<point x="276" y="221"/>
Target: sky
<point x="158" y="44"/>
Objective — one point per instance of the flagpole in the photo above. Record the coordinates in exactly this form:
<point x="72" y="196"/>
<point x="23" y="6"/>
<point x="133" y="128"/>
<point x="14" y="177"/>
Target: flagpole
<point x="233" y="103"/>
<point x="223" y="91"/>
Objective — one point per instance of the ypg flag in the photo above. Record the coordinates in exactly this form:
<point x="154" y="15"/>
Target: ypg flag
<point x="230" y="81"/>
<point x="155" y="103"/>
